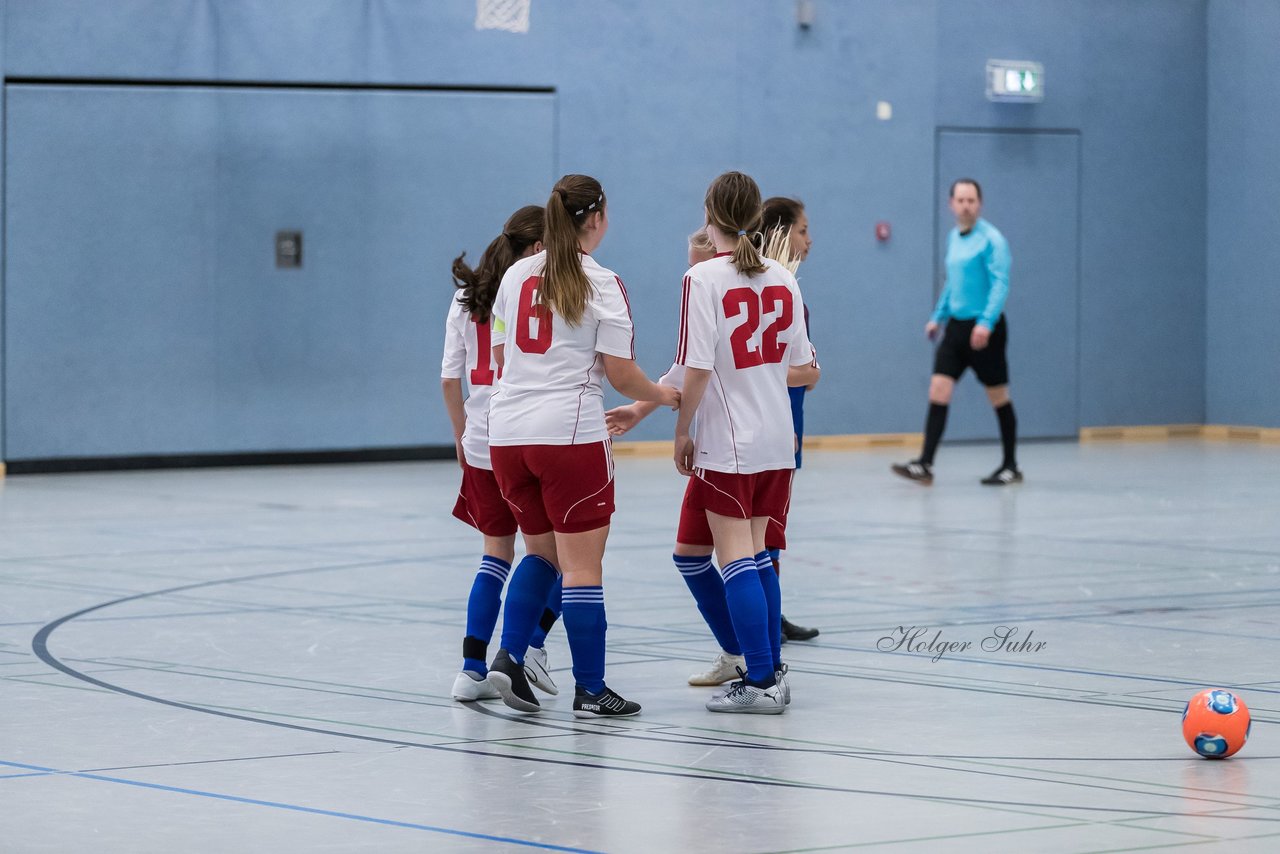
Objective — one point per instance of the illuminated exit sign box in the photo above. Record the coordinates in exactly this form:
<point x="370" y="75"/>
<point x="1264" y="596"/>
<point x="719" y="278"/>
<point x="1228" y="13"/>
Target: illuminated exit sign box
<point x="1014" y="80"/>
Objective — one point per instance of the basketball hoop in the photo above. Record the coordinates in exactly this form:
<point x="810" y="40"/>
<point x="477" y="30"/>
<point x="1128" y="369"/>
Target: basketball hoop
<point x="509" y="15"/>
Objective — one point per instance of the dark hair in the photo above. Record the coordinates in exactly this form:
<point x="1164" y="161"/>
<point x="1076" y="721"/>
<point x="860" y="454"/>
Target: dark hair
<point x="733" y="207"/>
<point x="479" y="286"/>
<point x="565" y="287"/>
<point x="781" y="212"/>
<point x="960" y="181"/>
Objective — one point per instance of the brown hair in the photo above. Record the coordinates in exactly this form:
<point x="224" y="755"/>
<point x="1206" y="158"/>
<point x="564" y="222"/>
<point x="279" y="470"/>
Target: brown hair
<point x="780" y="212"/>
<point x="733" y="206"/>
<point x="479" y="286"/>
<point x="565" y="287"/>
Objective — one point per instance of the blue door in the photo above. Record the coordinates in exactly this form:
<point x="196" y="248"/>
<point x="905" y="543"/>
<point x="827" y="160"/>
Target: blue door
<point x="1030" y="186"/>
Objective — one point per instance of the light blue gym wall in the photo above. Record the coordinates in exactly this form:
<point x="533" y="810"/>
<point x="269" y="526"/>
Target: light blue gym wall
<point x="1244" y="215"/>
<point x="1130" y="78"/>
<point x="656" y="98"/>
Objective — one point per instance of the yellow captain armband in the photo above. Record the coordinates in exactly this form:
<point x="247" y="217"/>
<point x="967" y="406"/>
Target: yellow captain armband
<point x="498" y="325"/>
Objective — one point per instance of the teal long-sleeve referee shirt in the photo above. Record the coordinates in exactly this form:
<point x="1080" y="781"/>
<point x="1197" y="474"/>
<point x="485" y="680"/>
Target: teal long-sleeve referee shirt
<point x="977" y="282"/>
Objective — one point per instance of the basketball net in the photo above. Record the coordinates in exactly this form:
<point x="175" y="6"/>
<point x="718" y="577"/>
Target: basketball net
<point x="509" y="15"/>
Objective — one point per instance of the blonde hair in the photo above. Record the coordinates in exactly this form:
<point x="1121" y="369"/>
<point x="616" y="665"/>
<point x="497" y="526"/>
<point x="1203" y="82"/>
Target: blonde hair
<point x="780" y="214"/>
<point x="777" y="246"/>
<point x="733" y="206"/>
<point x="565" y="288"/>
<point x="702" y="243"/>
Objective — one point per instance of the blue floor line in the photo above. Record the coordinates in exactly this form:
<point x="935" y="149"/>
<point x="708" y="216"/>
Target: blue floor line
<point x="41" y="771"/>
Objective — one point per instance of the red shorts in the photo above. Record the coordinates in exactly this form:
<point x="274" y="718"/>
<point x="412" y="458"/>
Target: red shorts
<point x="562" y="488"/>
<point x="480" y="504"/>
<point x="741" y="496"/>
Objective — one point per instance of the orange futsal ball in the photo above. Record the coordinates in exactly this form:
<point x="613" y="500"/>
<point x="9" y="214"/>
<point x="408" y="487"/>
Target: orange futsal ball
<point x="1216" y="723"/>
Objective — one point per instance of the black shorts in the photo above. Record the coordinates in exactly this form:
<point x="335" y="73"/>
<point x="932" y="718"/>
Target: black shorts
<point x="954" y="353"/>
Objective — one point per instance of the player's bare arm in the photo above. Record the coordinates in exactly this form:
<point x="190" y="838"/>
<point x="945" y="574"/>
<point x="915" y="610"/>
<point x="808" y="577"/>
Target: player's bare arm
<point x="803" y="375"/>
<point x="451" y="388"/>
<point x="621" y="419"/>
<point x="625" y="376"/>
<point x="695" y="384"/>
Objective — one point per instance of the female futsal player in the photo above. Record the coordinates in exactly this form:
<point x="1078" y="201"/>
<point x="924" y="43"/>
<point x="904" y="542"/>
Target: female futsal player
<point x="566" y="325"/>
<point x="740" y="331"/>
<point x="468" y="350"/>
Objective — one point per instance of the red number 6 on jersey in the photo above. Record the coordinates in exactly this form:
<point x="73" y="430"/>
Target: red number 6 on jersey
<point x="525" y="315"/>
<point x="772" y="298"/>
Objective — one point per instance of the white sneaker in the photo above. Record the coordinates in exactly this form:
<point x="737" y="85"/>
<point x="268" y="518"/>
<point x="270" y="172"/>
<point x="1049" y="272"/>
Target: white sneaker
<point x="470" y="686"/>
<point x="535" y="670"/>
<point x="747" y="699"/>
<point x="723" y="669"/>
<point x="783" y="685"/>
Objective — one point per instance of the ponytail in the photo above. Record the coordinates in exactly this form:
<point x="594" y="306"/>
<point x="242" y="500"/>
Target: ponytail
<point x="746" y="258"/>
<point x="480" y="285"/>
<point x="565" y="288"/>
<point x="733" y="207"/>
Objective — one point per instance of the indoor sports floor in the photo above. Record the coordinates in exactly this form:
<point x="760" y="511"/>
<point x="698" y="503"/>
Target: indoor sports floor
<point x="259" y="659"/>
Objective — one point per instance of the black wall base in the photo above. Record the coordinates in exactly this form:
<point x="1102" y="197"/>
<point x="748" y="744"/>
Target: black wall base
<point x="261" y="458"/>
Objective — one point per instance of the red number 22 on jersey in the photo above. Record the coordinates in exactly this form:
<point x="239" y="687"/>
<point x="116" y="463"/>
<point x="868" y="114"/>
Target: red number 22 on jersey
<point x="772" y="298"/>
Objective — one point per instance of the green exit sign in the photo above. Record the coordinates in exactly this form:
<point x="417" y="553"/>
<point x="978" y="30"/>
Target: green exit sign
<point x="1014" y="80"/>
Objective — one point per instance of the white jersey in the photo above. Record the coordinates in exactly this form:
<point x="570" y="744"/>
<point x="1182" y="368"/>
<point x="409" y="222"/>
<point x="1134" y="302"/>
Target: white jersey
<point x="746" y="330"/>
<point x="468" y="350"/>
<point x="550" y="392"/>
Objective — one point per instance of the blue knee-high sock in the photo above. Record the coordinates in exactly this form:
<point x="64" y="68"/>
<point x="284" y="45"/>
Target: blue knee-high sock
<point x="704" y="582"/>
<point x="483" y="606"/>
<point x="773" y="601"/>
<point x="774" y="554"/>
<point x="584" y="625"/>
<point x="750" y="617"/>
<point x="550" y="614"/>
<point x="526" y="597"/>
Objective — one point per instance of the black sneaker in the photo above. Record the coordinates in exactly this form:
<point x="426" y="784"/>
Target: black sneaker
<point x="606" y="704"/>
<point x="792" y="632"/>
<point x="509" y="680"/>
<point x="1003" y="476"/>
<point x="921" y="473"/>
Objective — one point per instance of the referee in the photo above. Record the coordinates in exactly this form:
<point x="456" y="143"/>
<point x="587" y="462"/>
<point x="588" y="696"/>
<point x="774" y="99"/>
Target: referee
<point x="972" y="307"/>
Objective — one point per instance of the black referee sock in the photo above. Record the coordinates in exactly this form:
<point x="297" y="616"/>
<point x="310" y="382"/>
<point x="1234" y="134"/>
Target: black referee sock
<point x="933" y="427"/>
<point x="1008" y="434"/>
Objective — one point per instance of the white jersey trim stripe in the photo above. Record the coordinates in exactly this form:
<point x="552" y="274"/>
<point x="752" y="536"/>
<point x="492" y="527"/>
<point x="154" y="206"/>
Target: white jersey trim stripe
<point x="728" y="413"/>
<point x="627" y="300"/>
